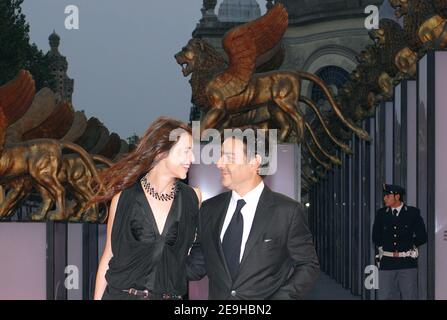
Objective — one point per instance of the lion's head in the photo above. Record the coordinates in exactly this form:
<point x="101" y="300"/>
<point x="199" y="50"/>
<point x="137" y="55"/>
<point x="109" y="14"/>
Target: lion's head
<point x="377" y="35"/>
<point x="401" y="7"/>
<point x="187" y="57"/>
<point x="389" y="33"/>
<point x="202" y="61"/>
<point x="389" y="39"/>
<point x="368" y="56"/>
<point x="198" y="55"/>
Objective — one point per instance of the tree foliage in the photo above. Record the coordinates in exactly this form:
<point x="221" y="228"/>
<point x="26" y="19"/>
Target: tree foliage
<point x="16" y="52"/>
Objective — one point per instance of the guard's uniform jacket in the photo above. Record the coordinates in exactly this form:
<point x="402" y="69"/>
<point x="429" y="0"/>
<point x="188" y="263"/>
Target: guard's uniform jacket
<point x="398" y="234"/>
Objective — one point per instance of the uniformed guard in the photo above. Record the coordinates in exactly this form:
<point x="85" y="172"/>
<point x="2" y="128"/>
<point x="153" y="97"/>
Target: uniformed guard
<point x="398" y="231"/>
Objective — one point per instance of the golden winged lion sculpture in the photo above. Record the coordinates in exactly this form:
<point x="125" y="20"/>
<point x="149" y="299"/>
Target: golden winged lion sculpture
<point x="222" y="89"/>
<point x="40" y="163"/>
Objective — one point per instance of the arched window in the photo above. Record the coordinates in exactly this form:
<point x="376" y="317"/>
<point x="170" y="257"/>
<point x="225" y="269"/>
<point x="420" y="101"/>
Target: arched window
<point x="334" y="77"/>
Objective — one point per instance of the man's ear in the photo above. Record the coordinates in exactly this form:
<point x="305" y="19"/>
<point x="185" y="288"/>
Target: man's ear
<point x="257" y="161"/>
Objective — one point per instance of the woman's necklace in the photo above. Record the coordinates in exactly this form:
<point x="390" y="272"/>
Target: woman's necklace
<point x="158" y="196"/>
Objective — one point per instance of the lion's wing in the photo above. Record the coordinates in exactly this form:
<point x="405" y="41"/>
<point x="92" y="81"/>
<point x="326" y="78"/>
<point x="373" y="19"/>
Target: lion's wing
<point x="244" y="44"/>
<point x="16" y="97"/>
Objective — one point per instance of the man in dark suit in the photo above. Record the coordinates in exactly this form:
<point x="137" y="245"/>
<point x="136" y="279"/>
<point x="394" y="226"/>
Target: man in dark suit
<point x="398" y="231"/>
<point x="256" y="243"/>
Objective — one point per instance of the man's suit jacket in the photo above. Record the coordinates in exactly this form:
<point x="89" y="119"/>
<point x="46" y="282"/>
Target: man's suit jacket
<point x="279" y="260"/>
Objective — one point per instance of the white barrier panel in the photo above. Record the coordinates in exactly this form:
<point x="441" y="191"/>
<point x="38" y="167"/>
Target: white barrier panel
<point x="74" y="261"/>
<point x="23" y="261"/>
<point x="411" y="187"/>
<point x="441" y="174"/>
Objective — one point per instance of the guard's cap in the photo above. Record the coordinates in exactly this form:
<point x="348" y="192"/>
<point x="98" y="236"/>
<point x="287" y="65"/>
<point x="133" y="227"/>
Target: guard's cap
<point x="393" y="189"/>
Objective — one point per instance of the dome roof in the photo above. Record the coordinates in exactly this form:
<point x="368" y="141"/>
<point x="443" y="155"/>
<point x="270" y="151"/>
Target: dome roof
<point x="239" y="10"/>
<point x="54" y="40"/>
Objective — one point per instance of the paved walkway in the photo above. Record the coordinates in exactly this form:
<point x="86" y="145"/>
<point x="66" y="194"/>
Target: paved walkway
<point x="326" y="288"/>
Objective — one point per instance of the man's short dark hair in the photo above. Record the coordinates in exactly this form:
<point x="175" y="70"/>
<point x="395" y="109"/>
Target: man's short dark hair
<point x="401" y="197"/>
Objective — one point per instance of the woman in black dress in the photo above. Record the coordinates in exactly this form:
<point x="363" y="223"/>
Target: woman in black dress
<point x="152" y="219"/>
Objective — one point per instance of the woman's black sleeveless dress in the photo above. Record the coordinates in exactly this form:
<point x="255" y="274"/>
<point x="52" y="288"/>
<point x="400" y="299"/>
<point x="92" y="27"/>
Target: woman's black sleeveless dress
<point x="142" y="258"/>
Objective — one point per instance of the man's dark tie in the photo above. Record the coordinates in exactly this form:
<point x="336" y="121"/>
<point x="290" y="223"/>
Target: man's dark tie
<point x="395" y="212"/>
<point x="232" y="240"/>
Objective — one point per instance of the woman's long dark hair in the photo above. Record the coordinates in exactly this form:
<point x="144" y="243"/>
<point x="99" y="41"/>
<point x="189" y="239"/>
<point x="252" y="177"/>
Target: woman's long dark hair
<point x="155" y="142"/>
